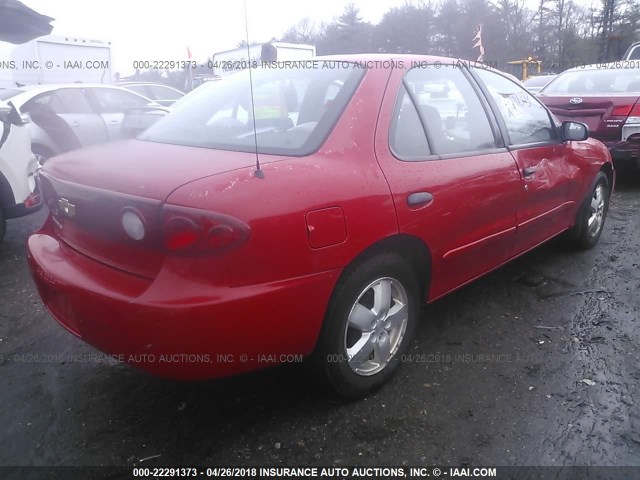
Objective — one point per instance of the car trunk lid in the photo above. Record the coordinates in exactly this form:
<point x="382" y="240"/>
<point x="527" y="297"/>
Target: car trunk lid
<point x="88" y="191"/>
<point x="603" y="115"/>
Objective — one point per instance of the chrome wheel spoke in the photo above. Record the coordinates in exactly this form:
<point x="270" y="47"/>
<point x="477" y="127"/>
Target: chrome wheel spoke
<point x="397" y="316"/>
<point x="382" y="297"/>
<point x="362" y="318"/>
<point x="382" y="350"/>
<point x="360" y="352"/>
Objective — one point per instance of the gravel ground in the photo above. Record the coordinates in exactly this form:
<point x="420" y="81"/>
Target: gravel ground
<point x="537" y="363"/>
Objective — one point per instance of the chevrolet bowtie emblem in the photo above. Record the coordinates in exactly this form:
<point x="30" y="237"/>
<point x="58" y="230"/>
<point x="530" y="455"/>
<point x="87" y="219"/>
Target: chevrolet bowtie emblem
<point x="66" y="208"/>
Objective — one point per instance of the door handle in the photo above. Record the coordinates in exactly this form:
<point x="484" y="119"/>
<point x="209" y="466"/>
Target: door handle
<point x="529" y="171"/>
<point x="418" y="199"/>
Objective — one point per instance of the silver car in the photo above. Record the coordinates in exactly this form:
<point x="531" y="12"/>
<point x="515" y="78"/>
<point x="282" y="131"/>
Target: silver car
<point x="70" y="116"/>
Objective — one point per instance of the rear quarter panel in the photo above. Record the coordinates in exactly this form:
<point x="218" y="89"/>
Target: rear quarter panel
<point x="344" y="173"/>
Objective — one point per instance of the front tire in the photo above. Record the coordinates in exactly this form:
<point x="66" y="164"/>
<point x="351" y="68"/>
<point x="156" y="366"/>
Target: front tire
<point x="591" y="217"/>
<point x="369" y="324"/>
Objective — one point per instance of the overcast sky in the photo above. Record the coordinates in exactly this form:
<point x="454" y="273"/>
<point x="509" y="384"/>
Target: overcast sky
<point x="162" y="30"/>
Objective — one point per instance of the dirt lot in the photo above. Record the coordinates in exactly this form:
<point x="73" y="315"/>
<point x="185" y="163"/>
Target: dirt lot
<point x="536" y="364"/>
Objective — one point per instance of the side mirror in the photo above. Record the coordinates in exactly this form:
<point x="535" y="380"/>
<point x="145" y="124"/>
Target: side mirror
<point x="574" y="131"/>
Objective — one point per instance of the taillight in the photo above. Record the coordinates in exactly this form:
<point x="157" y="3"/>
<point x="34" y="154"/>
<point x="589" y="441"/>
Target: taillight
<point x="634" y="116"/>
<point x="621" y="111"/>
<point x="630" y="111"/>
<point x="190" y="231"/>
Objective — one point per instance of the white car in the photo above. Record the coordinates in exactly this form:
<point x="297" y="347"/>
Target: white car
<point x="69" y="116"/>
<point x="159" y="93"/>
<point x="19" y="192"/>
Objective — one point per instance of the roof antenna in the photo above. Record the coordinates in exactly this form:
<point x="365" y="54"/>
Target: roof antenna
<point x="258" y="173"/>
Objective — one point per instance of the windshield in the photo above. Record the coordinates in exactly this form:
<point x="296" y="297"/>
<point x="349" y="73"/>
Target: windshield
<point x="596" y="82"/>
<point x="295" y="109"/>
<point x="7" y="93"/>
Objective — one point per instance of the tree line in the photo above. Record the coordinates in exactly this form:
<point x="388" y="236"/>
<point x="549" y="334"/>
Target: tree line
<point x="561" y="33"/>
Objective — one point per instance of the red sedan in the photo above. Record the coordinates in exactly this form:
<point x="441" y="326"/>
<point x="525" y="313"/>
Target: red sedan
<point x="309" y="215"/>
<point x="605" y="97"/>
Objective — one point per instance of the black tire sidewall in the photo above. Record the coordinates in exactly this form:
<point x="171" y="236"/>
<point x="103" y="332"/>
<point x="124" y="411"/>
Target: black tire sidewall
<point x="330" y="355"/>
<point x="3" y="225"/>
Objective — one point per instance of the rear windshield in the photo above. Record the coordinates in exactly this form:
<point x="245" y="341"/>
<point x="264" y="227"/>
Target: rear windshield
<point x="537" y="81"/>
<point x="7" y="93"/>
<point x="295" y="110"/>
<point x="596" y="82"/>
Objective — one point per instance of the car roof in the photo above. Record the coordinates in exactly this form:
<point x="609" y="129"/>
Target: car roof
<point x="129" y="83"/>
<point x="30" y="91"/>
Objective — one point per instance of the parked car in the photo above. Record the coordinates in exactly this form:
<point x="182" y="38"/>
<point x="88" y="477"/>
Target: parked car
<point x="538" y="82"/>
<point x="605" y="98"/>
<point x="138" y="120"/>
<point x="19" y="192"/>
<point x="159" y="93"/>
<point x="69" y="116"/>
<point x="633" y="52"/>
<point x="311" y="224"/>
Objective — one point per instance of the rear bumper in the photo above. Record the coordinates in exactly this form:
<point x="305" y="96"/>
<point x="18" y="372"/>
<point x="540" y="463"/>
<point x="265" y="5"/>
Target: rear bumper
<point x="173" y="327"/>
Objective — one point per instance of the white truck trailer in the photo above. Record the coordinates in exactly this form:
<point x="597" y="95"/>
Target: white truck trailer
<point x="230" y="61"/>
<point x="58" y="59"/>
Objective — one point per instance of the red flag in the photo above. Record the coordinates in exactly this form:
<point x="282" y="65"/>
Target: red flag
<point x="478" y="43"/>
<point x="188" y="53"/>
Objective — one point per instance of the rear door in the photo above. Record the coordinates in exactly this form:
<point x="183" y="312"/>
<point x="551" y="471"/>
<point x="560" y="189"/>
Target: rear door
<point x="549" y="179"/>
<point x="113" y="104"/>
<point x="74" y="107"/>
<point x="453" y="182"/>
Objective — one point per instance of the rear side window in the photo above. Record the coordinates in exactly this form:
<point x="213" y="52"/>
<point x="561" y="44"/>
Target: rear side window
<point x="295" y="110"/>
<point x="449" y="108"/>
<point x="407" y="138"/>
<point x="111" y="100"/>
<point x="527" y="121"/>
<point x="71" y="100"/>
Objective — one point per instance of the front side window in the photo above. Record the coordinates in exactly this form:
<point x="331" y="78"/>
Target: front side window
<point x="527" y="121"/>
<point x="292" y="110"/>
<point x="448" y="107"/>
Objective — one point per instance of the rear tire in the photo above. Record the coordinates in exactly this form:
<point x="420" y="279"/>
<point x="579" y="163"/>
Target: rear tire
<point x="369" y="324"/>
<point x="3" y="225"/>
<point x="592" y="214"/>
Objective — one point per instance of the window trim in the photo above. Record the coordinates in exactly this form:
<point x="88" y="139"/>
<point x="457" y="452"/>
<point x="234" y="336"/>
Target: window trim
<point x="493" y="124"/>
<point x="503" y="125"/>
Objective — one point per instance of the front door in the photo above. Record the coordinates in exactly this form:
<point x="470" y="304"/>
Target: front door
<point x="545" y="202"/>
<point x="455" y="186"/>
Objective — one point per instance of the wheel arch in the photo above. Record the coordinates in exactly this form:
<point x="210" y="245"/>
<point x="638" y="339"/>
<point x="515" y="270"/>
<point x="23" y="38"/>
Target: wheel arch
<point x="43" y="148"/>
<point x="414" y="251"/>
<point x="607" y="169"/>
